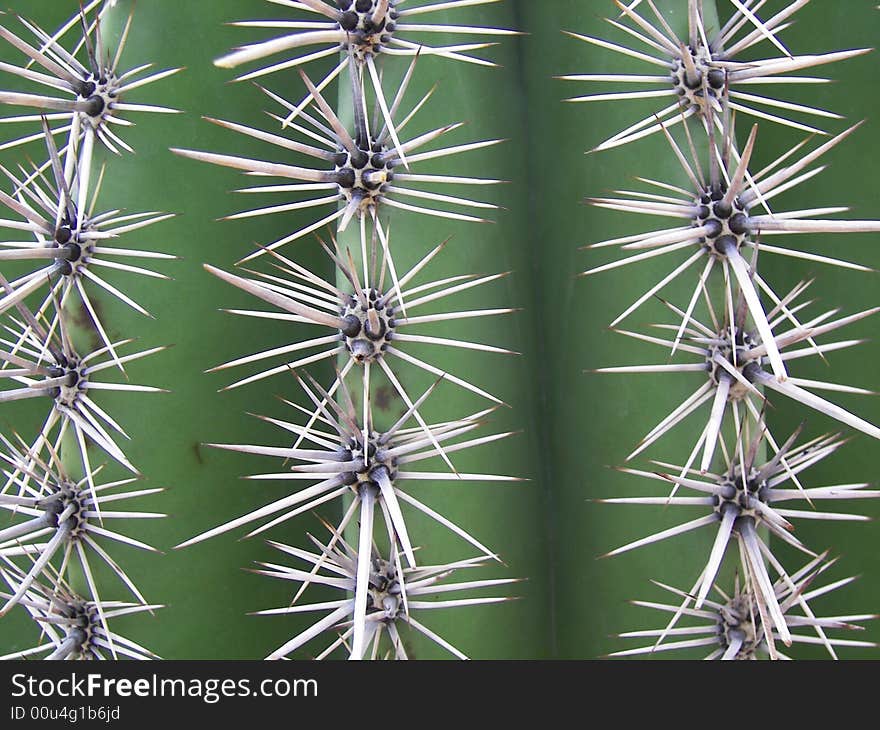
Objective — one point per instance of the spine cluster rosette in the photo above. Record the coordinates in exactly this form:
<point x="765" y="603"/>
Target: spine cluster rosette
<point x="340" y="145"/>
<point x="736" y="336"/>
<point x="60" y="494"/>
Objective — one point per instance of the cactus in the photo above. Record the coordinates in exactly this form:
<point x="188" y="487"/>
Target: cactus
<point x="387" y="476"/>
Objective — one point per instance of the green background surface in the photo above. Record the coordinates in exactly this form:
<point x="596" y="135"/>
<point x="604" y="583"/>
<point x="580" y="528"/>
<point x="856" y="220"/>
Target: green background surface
<point x="574" y="425"/>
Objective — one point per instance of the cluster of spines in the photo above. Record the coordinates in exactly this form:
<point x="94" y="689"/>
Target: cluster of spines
<point x="738" y="475"/>
<point x="362" y="169"/>
<point x="60" y="513"/>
